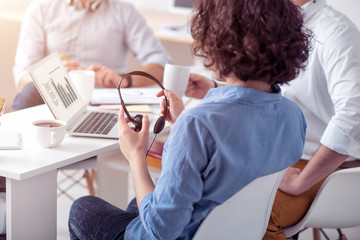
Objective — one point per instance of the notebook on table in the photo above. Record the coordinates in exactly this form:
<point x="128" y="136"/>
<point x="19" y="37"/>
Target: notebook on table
<point x="63" y="99"/>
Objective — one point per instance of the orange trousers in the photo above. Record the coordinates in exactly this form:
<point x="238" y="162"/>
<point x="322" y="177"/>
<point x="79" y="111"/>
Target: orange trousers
<point x="288" y="210"/>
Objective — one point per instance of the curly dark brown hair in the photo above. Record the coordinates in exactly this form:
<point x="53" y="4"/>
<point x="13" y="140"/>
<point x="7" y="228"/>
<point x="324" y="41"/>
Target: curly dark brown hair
<point x="261" y="40"/>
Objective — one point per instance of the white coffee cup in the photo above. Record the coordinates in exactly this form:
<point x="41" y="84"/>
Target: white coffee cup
<point x="176" y="78"/>
<point x="84" y="81"/>
<point x="49" y="133"/>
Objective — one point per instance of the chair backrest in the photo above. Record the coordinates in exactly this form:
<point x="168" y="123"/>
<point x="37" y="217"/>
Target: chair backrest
<point x="245" y="215"/>
<point x="336" y="205"/>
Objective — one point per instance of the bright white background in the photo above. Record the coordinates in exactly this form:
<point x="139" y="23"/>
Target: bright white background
<point x="349" y="7"/>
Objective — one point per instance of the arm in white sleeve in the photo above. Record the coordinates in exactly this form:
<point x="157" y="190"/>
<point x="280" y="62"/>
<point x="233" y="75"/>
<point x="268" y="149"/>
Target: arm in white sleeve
<point x="31" y="45"/>
<point x="142" y="41"/>
<point x="342" y="68"/>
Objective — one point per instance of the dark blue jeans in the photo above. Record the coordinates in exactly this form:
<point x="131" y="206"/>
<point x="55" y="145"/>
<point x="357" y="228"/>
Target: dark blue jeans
<point x="28" y="97"/>
<point x="93" y="218"/>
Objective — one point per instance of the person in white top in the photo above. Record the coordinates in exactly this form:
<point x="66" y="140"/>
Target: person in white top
<point x="328" y="93"/>
<point x="96" y="34"/>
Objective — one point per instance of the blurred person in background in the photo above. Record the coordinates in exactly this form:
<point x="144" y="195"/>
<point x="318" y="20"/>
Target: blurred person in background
<point x="96" y="34"/>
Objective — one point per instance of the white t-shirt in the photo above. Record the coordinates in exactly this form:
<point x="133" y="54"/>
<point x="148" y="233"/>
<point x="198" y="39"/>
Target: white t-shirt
<point x="102" y="37"/>
<point x="328" y="91"/>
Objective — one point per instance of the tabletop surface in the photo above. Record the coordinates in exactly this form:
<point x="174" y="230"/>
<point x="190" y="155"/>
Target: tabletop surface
<point x="33" y="159"/>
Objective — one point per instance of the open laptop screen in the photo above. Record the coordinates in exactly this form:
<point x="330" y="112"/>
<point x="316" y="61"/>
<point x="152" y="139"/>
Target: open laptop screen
<point x="56" y="88"/>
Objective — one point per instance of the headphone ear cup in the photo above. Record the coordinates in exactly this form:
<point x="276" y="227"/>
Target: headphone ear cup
<point x="159" y="125"/>
<point x="138" y="122"/>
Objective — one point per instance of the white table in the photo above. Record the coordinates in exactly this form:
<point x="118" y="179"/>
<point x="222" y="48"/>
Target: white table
<point x="31" y="174"/>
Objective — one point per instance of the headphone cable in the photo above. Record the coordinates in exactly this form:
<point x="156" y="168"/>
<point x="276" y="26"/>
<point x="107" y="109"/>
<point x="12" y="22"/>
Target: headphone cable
<point x="151" y="145"/>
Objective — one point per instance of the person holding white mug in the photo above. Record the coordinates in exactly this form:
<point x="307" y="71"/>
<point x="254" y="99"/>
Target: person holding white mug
<point x="213" y="148"/>
<point x="176" y="78"/>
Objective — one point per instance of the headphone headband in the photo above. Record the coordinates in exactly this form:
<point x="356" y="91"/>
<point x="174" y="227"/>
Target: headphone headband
<point x="143" y="74"/>
<point x="159" y="125"/>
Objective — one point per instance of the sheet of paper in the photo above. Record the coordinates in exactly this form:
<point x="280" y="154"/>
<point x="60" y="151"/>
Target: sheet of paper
<point x="129" y="95"/>
<point x="130" y="108"/>
<point x="10" y="140"/>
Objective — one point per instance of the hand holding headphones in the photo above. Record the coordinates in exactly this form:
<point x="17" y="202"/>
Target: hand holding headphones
<point x="133" y="144"/>
<point x="177" y="106"/>
<point x="137" y="120"/>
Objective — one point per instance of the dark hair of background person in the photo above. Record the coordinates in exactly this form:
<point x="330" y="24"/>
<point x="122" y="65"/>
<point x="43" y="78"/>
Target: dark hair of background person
<point x="260" y="40"/>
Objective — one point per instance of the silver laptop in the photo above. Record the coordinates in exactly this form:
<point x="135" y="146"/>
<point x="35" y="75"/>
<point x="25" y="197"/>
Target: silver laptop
<point x="65" y="103"/>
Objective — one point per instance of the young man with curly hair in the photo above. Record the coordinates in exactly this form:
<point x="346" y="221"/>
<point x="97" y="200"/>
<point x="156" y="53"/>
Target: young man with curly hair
<point x="239" y="132"/>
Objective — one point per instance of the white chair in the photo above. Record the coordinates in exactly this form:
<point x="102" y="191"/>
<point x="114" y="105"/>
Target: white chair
<point x="337" y="204"/>
<point x="245" y="215"/>
<point x="2" y="212"/>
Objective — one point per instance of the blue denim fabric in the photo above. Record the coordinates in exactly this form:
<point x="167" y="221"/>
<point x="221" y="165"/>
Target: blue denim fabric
<point x="212" y="152"/>
<point x="93" y="218"/>
<point x="28" y="97"/>
<point x="214" y="149"/>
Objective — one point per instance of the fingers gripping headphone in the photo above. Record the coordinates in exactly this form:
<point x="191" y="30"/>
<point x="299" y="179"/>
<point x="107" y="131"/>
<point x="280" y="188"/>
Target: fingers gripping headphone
<point x="137" y="120"/>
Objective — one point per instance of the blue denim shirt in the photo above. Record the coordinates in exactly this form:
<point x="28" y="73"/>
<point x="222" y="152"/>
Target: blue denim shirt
<point x="233" y="136"/>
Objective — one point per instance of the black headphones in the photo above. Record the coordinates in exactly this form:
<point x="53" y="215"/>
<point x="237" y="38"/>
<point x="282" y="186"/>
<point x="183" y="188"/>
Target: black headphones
<point x="137" y="120"/>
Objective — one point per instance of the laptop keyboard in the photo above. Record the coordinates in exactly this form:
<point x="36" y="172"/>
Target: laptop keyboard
<point x="97" y="123"/>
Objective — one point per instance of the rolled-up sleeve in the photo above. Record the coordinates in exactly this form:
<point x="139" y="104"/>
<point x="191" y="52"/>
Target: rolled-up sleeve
<point x="342" y="66"/>
<point x="31" y="45"/>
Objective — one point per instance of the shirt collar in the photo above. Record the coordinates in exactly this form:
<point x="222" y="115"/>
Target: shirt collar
<point x="243" y="94"/>
<point x="78" y="6"/>
<point x="309" y="9"/>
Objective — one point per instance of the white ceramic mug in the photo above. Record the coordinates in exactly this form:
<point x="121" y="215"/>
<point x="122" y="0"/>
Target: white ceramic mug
<point x="49" y="133"/>
<point x="84" y="81"/>
<point x="176" y="78"/>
